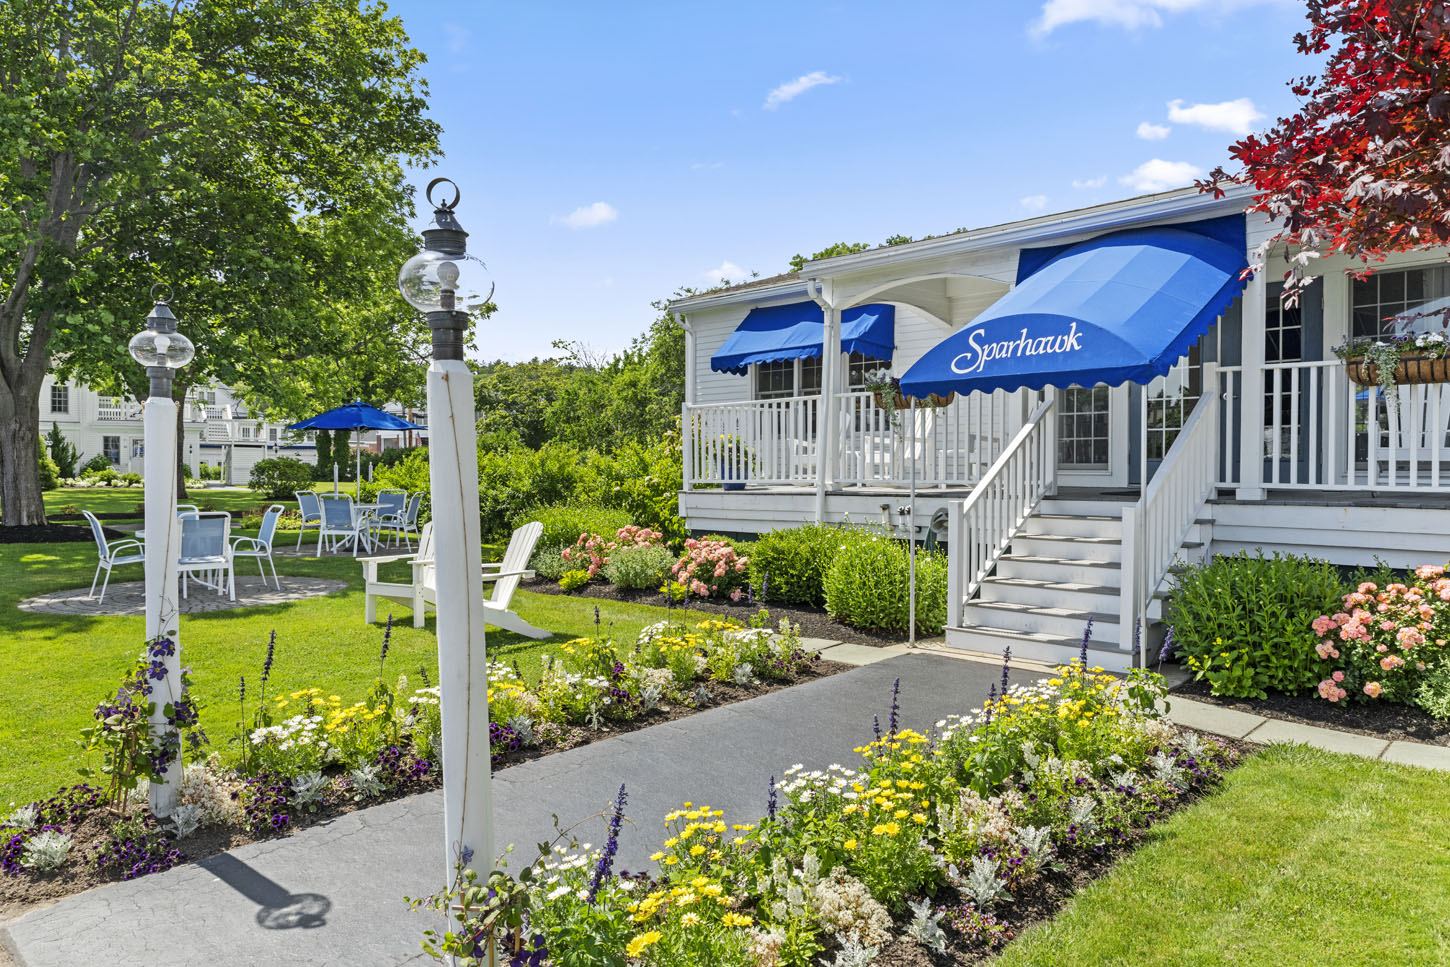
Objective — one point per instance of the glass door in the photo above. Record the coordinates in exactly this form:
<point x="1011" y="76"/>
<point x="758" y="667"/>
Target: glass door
<point x="1091" y="430"/>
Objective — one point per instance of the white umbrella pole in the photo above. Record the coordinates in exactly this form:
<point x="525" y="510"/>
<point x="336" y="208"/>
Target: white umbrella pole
<point x="359" y="465"/>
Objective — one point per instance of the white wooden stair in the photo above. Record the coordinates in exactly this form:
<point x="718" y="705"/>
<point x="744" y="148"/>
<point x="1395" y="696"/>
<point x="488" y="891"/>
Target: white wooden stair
<point x="1062" y="568"/>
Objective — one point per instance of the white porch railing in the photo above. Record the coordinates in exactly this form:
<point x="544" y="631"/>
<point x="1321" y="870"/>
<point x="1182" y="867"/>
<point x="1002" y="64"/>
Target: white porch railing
<point x="1155" y="527"/>
<point x="1322" y="432"/>
<point x="953" y="444"/>
<point x="776" y="442"/>
<point x="762" y="441"/>
<point x="113" y="409"/>
<point x="980" y="528"/>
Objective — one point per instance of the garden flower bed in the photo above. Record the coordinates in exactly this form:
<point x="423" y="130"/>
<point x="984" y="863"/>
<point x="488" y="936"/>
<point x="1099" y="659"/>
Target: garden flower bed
<point x="304" y="757"/>
<point x="935" y="849"/>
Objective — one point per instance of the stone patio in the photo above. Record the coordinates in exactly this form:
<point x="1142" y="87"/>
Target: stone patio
<point x="128" y="597"/>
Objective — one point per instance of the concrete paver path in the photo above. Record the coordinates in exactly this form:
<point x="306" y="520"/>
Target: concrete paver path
<point x="332" y="894"/>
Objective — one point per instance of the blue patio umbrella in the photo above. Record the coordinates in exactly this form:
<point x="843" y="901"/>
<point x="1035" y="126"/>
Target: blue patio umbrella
<point x="355" y="416"/>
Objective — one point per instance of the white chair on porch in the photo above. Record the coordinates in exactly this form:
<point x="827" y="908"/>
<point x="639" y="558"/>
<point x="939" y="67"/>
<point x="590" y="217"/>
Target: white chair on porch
<point x="422" y="590"/>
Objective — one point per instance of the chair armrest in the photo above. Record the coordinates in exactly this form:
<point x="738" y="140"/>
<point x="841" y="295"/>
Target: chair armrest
<point x="507" y="574"/>
<point x="113" y="546"/>
<point x="257" y="543"/>
<point x="391" y="558"/>
<point x="494" y="564"/>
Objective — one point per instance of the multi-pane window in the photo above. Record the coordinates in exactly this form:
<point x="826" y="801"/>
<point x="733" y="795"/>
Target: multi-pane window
<point x="858" y="366"/>
<point x="802" y="377"/>
<point x="776" y="380"/>
<point x="1082" y="426"/>
<point x="111" y="447"/>
<point x="1170" y="399"/>
<point x="1283" y="332"/>
<point x="59" y="398"/>
<point x="1395" y="303"/>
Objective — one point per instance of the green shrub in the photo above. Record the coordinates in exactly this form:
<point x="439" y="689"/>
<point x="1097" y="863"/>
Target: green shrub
<point x="1433" y="692"/>
<point x="97" y="464"/>
<point x="638" y="568"/>
<point x="573" y="580"/>
<point x="791" y="564"/>
<point x="278" y="478"/>
<point x="548" y="563"/>
<point x="563" y="523"/>
<point x="511" y="481"/>
<point x="868" y="586"/>
<point x="1245" y="624"/>
<point x="107" y="477"/>
<point x="130" y="478"/>
<point x="62" y="451"/>
<point x="49" y="472"/>
<point x="644" y="482"/>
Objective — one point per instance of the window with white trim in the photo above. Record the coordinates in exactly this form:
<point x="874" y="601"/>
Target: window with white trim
<point x="786" y="378"/>
<point x="59" y="398"/>
<point x="111" y="447"/>
<point x="1395" y="303"/>
<point x="858" y="366"/>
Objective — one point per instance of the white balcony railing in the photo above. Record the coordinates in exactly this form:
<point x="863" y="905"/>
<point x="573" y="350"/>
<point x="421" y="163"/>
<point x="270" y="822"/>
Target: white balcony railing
<point x="114" y="409"/>
<point x="1322" y="432"/>
<point x="776" y="442"/>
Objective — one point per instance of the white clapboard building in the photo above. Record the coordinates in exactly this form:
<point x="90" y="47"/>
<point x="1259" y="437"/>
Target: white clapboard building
<point x="1112" y="398"/>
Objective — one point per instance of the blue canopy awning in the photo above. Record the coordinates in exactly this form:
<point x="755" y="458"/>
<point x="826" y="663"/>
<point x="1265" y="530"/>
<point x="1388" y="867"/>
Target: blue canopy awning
<point x="1124" y="306"/>
<point x="773" y="333"/>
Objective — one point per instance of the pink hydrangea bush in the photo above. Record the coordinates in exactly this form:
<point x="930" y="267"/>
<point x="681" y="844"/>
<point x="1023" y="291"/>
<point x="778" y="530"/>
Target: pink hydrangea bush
<point x="1386" y="638"/>
<point x="712" y="569"/>
<point x="591" y="551"/>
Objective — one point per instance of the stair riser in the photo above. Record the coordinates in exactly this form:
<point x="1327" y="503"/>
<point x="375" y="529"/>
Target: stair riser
<point x="1071" y="550"/>
<point x="1045" y="624"/>
<point x="1101" y="601"/>
<point x="1081" y="508"/>
<point x="1107" y="577"/>
<point x="1039" y="651"/>
<point x="1073" y="527"/>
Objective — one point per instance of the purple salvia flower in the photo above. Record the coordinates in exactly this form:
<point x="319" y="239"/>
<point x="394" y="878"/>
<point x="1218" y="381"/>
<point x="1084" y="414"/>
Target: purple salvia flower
<point x="387" y="640"/>
<point x="1087" y="633"/>
<point x="1006" y="667"/>
<point x="611" y="846"/>
<point x="423" y="673"/>
<point x="1137" y="634"/>
<point x="596" y="619"/>
<point x="991" y="698"/>
<point x="764" y="585"/>
<point x="770" y="800"/>
<point x="1168" y="645"/>
<point x="895" y="706"/>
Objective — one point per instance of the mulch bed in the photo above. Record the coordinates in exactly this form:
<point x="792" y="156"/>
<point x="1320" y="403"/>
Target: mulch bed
<point x="1383" y="720"/>
<point x="57" y="533"/>
<point x="17" y="894"/>
<point x="814" y="622"/>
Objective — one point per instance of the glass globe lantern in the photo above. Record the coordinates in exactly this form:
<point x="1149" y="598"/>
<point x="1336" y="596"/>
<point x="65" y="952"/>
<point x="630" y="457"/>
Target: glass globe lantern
<point x="160" y="348"/>
<point x="434" y="281"/>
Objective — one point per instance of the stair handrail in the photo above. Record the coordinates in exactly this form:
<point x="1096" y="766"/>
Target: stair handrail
<point x="980" y="528"/>
<point x="1155" y="527"/>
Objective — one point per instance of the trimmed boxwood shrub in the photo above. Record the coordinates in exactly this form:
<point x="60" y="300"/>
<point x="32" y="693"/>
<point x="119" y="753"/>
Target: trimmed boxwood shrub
<point x="278" y="478"/>
<point x="1245" y="624"/>
<point x="868" y="586"/>
<point x="548" y="562"/>
<point x="796" y="561"/>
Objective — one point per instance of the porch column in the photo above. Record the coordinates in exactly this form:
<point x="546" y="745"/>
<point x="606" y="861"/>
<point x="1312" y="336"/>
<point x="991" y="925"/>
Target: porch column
<point x="1251" y="422"/>
<point x="1336" y="410"/>
<point x="686" y="427"/>
<point x="828" y="424"/>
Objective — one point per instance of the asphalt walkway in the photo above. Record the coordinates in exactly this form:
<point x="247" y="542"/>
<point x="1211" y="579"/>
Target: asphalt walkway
<point x="333" y="894"/>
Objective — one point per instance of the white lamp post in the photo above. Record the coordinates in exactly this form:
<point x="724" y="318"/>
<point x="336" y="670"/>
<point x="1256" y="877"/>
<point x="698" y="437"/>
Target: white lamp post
<point x="161" y="349"/>
<point x="444" y="282"/>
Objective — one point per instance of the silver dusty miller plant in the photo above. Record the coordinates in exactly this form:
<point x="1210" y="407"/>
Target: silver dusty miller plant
<point x="24" y="817"/>
<point x="925" y="927"/>
<point x="649" y="697"/>
<point x="309" y="788"/>
<point x="366" y="782"/>
<point x="983" y="884"/>
<point x="853" y="954"/>
<point x="46" y="851"/>
<point x="186" y="819"/>
<point x="523" y="727"/>
<point x="743" y="674"/>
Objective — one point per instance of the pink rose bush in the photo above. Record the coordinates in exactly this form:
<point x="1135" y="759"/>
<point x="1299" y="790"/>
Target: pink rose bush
<point x="1385" y="638"/>
<point x="591" y="551"/>
<point x="712" y="569"/>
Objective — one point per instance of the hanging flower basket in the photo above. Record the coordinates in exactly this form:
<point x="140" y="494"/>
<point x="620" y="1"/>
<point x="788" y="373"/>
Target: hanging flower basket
<point x="1408" y="369"/>
<point x="903" y="402"/>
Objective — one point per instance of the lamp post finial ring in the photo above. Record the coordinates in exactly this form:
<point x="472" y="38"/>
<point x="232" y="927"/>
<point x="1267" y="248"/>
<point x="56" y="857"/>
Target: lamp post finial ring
<point x="162" y="287"/>
<point x="448" y="206"/>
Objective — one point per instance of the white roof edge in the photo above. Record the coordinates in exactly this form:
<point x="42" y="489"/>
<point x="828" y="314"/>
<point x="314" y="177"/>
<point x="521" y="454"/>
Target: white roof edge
<point x="1044" y="228"/>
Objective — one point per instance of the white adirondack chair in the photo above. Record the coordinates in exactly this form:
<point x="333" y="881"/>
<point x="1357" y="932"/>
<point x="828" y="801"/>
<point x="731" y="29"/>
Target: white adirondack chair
<point x="422" y="590"/>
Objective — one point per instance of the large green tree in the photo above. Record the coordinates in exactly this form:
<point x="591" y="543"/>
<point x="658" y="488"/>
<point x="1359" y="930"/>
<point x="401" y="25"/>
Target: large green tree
<point x="243" y="152"/>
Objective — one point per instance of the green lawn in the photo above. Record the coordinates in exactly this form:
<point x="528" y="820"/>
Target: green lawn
<point x="59" y="667"/>
<point x="1302" y="858"/>
<point x="120" y="500"/>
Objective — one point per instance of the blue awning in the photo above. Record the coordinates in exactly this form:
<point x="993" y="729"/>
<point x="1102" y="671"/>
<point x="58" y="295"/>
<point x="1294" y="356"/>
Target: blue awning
<point x="1124" y="306"/>
<point x="773" y="333"/>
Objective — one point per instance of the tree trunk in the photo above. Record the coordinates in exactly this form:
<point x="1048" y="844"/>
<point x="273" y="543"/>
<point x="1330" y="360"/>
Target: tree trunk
<point x="178" y="393"/>
<point x="21" y="499"/>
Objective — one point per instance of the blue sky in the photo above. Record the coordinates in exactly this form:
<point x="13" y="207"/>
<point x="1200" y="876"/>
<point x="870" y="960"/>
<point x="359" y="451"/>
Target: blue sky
<point x="609" y="153"/>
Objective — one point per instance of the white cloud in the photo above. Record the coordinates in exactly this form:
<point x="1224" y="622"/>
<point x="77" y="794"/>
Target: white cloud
<point x="1129" y="14"/>
<point x="1098" y="182"/>
<point x="1149" y="131"/>
<point x="1033" y="203"/>
<point x="1160" y="175"/>
<point x="706" y="165"/>
<point x="790" y="90"/>
<point x="726" y="271"/>
<point x="1236" y="116"/>
<point x="589" y="216"/>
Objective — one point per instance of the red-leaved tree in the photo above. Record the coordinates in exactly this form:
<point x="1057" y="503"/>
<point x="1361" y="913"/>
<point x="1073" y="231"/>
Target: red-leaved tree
<point x="1363" y="169"/>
